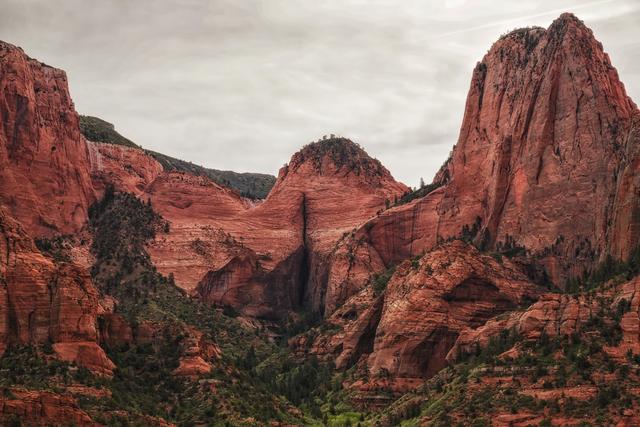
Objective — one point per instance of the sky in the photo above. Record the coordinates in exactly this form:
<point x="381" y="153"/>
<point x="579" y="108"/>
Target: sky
<point x="243" y="84"/>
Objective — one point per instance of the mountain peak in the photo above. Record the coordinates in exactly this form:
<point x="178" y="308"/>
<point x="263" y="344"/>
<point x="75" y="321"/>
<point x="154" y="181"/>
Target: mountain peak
<point x="567" y="30"/>
<point x="565" y="20"/>
<point x="546" y="116"/>
<point x="336" y="153"/>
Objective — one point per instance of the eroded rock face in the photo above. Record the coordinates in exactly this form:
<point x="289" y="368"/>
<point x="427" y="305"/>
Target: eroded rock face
<point x="43" y="301"/>
<point x="197" y="355"/>
<point x="44" y="162"/>
<point x="405" y="333"/>
<point x="351" y="334"/>
<point x="267" y="259"/>
<point x="428" y="304"/>
<point x="42" y="408"/>
<point x="128" y="169"/>
<point x="199" y="212"/>
<point x="562" y="315"/>
<point x="549" y="135"/>
<point x="341" y="187"/>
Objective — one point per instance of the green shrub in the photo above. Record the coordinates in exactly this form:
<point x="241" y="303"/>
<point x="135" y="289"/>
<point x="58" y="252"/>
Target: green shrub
<point x="381" y="280"/>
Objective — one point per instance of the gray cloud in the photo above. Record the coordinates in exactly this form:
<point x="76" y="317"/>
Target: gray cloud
<point x="242" y="84"/>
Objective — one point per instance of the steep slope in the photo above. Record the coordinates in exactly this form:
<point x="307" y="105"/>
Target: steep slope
<point x="128" y="169"/>
<point x="403" y="329"/>
<point x="201" y="215"/>
<point x="326" y="190"/>
<point x="548" y="137"/>
<point x="98" y="130"/>
<point x="566" y="360"/>
<point x="47" y="302"/>
<point x="341" y="187"/>
<point x="548" y="116"/>
<point x="251" y="185"/>
<point x="42" y="154"/>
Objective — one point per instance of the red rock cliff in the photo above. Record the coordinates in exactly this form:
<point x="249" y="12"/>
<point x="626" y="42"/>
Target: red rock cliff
<point x="329" y="188"/>
<point x="43" y="301"/>
<point x="545" y="160"/>
<point x="44" y="163"/>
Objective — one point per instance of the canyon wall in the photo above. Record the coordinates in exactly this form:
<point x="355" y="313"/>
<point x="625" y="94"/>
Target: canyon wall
<point x="45" y="178"/>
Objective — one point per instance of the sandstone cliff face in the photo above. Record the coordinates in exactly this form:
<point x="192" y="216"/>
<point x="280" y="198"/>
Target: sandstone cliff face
<point x="406" y="332"/>
<point x="44" y="163"/>
<point x="41" y="301"/>
<point x="563" y="315"/>
<point x="202" y="218"/>
<point x="269" y="258"/>
<point x="350" y="336"/>
<point x="549" y="136"/>
<point x="40" y="408"/>
<point x="426" y="306"/>
<point x="548" y="116"/>
<point x="127" y="169"/>
<point x="339" y="187"/>
<point x="327" y="189"/>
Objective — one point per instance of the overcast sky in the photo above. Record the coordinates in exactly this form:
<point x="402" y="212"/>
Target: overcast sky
<point x="243" y="84"/>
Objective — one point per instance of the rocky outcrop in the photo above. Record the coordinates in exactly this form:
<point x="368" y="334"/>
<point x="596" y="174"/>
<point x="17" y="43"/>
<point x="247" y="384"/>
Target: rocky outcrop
<point x="563" y="315"/>
<point x="41" y="408"/>
<point x="44" y="162"/>
<point x="197" y="355"/>
<point x="428" y="304"/>
<point x="43" y="301"/>
<point x="548" y="136"/>
<point x="350" y="332"/>
<point x="87" y="354"/>
<point x="405" y="333"/>
<point x="126" y="168"/>
<point x="341" y="187"/>
<point x="267" y="259"/>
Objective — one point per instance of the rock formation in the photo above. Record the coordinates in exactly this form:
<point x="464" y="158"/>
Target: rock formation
<point x="267" y="259"/>
<point x="42" y="408"/>
<point x="327" y="189"/>
<point x="548" y="136"/>
<point x="127" y="169"/>
<point x="426" y="306"/>
<point x="545" y="168"/>
<point x="197" y="354"/>
<point x="562" y="315"/>
<point x="44" y="162"/>
<point x="44" y="301"/>
<point x="407" y="332"/>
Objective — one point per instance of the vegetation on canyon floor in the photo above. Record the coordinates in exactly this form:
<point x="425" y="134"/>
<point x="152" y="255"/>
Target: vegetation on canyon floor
<point x="257" y="380"/>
